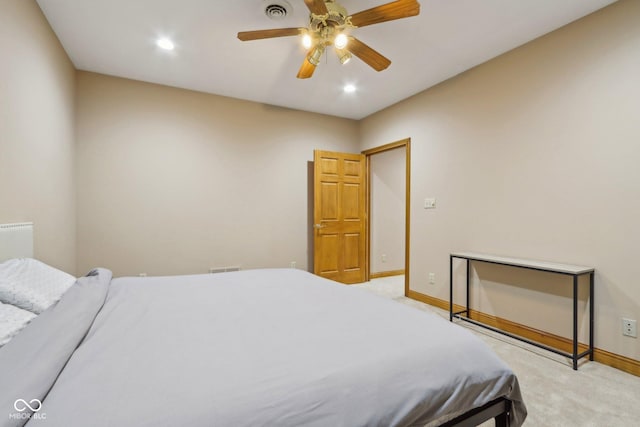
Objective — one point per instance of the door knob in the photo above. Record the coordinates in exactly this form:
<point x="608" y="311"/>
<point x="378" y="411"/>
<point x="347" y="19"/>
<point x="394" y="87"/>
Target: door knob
<point x="318" y="226"/>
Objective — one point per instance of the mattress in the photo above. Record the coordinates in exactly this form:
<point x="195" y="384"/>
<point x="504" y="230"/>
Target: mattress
<point x="257" y="347"/>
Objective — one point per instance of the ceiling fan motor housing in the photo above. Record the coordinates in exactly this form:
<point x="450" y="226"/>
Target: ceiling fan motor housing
<point x="337" y="17"/>
<point x="324" y="28"/>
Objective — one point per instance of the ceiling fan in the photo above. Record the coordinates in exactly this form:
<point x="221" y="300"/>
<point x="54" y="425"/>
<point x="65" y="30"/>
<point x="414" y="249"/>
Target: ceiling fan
<point x="330" y="25"/>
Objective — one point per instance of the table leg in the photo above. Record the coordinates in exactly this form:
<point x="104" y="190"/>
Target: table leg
<point x="468" y="276"/>
<point x="450" y="288"/>
<point x="591" y="309"/>
<point x="575" y="322"/>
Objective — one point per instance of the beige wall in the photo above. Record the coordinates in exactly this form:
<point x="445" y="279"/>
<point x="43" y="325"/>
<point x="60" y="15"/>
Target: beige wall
<point x="534" y="154"/>
<point x="172" y="181"/>
<point x="387" y="176"/>
<point x="36" y="132"/>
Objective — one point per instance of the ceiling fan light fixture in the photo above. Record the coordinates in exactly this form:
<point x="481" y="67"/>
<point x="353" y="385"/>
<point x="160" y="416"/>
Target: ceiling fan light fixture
<point x="341" y="40"/>
<point x="316" y="54"/>
<point x="343" y="55"/>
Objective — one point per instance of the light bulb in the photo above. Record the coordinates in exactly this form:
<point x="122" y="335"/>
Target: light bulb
<point x="306" y="41"/>
<point x="340" y="42"/>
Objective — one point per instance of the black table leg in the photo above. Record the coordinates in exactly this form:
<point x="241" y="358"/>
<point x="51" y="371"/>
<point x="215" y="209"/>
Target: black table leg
<point x="450" y="288"/>
<point x="591" y="309"/>
<point x="575" y="322"/>
<point x="468" y="277"/>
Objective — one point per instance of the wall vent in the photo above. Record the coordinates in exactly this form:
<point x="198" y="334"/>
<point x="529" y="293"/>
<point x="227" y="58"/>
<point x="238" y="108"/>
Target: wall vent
<point x="214" y="270"/>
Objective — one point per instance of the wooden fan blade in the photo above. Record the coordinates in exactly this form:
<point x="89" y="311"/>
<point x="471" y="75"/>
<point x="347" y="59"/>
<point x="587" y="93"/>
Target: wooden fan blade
<point x="371" y="57"/>
<point x="267" y="34"/>
<point x="306" y="70"/>
<point x="317" y="6"/>
<point x="387" y="12"/>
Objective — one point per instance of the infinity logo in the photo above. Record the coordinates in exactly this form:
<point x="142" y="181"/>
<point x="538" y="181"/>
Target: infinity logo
<point x="21" y="405"/>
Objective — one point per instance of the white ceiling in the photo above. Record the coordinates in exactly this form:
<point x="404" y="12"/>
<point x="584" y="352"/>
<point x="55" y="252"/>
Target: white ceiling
<point x="117" y="37"/>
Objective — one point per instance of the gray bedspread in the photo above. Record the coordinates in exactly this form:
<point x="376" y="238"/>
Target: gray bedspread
<point x="252" y="348"/>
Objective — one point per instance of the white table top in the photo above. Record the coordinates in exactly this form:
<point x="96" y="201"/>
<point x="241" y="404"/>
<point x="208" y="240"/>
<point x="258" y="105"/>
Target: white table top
<point x="519" y="262"/>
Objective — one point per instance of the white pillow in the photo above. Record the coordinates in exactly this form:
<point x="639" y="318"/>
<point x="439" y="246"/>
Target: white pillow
<point x="12" y="320"/>
<point x="32" y="285"/>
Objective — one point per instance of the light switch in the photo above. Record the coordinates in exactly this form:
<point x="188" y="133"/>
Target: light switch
<point x="429" y="203"/>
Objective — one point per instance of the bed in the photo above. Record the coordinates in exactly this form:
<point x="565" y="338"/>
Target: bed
<point x="273" y="347"/>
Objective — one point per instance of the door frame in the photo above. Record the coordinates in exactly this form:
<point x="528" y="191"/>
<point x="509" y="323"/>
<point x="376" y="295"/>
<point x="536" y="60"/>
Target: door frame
<point x="406" y="143"/>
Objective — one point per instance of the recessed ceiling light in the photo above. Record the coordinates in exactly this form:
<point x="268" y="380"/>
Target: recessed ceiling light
<point x="165" y="44"/>
<point x="349" y="88"/>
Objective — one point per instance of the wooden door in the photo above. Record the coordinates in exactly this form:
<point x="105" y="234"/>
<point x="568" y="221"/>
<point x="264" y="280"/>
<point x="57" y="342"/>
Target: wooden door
<point x="340" y="216"/>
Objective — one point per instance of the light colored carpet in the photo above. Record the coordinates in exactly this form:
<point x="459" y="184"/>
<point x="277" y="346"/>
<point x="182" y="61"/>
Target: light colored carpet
<point x="556" y="395"/>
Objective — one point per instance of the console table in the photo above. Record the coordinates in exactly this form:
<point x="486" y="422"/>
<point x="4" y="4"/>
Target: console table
<point x="574" y="271"/>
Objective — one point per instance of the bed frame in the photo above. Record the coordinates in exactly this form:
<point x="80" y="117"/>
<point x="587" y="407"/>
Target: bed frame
<point x="498" y="409"/>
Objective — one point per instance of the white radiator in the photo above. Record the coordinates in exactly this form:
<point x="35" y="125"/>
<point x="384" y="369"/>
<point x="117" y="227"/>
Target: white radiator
<point x="16" y="240"/>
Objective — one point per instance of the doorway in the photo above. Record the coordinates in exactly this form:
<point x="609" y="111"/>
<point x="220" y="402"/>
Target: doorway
<point x="388" y="185"/>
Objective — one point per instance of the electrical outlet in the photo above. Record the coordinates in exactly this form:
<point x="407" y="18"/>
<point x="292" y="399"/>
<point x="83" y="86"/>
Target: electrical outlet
<point x="629" y="328"/>
<point x="432" y="278"/>
<point x="383" y="258"/>
<point x="292" y="264"/>
<point x="142" y="275"/>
